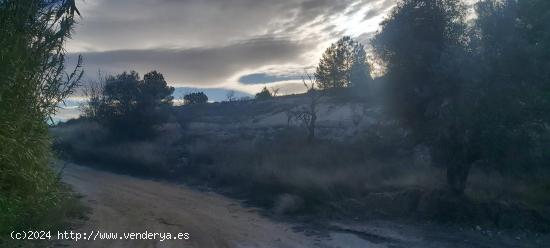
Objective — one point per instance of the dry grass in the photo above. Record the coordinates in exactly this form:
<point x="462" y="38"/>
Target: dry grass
<point x="311" y="174"/>
<point x="379" y="172"/>
<point x="87" y="141"/>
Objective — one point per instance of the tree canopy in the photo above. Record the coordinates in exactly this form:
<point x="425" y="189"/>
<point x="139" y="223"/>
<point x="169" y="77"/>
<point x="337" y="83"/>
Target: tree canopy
<point x="264" y="94"/>
<point x="415" y="41"/>
<point x="33" y="82"/>
<point x="476" y="94"/>
<point x="133" y="107"/>
<point x="343" y="64"/>
<point x="195" y="98"/>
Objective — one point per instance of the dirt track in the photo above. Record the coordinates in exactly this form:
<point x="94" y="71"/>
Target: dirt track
<point x="127" y="204"/>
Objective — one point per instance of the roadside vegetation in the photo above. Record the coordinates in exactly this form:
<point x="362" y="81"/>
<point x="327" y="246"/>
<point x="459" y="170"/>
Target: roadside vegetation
<point x="460" y="130"/>
<point x="32" y="84"/>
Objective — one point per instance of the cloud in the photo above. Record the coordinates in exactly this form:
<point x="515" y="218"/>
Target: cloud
<point x="378" y="7"/>
<point x="214" y="43"/>
<point x="263" y="78"/>
<point x="139" y="24"/>
<point x="200" y="66"/>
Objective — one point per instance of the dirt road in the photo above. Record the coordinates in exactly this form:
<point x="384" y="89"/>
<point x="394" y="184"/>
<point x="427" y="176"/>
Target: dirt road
<point x="126" y="204"/>
<point x="123" y="204"/>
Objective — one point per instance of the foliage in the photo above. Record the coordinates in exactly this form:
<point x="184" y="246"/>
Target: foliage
<point x="422" y="43"/>
<point x="132" y="107"/>
<point x="512" y="45"/>
<point x="343" y="64"/>
<point x="195" y="98"/>
<point x="264" y="94"/>
<point x="32" y="84"/>
<point x="477" y="96"/>
<point x="496" y="116"/>
<point x="412" y="44"/>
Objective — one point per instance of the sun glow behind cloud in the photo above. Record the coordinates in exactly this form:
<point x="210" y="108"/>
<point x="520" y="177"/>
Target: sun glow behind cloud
<point x="356" y="24"/>
<point x="214" y="43"/>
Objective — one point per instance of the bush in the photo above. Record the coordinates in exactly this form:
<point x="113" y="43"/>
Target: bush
<point x="307" y="177"/>
<point x="131" y="107"/>
<point x="264" y="94"/>
<point x="87" y="141"/>
<point x="32" y="83"/>
<point x="195" y="98"/>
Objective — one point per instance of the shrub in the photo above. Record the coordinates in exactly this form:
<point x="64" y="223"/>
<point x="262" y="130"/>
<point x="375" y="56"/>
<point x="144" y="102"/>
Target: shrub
<point x="87" y="141"/>
<point x="306" y="176"/>
<point x="264" y="94"/>
<point x="32" y="84"/>
<point x="195" y="98"/>
<point x="132" y="107"/>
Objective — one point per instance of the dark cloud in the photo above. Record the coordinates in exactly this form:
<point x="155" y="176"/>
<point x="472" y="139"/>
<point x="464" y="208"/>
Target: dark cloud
<point x="134" y="24"/>
<point x="215" y="42"/>
<point x="199" y="66"/>
<point x="263" y="78"/>
<point x="138" y="24"/>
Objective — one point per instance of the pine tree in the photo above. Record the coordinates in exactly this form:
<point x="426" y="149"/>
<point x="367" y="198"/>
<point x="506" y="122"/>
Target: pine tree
<point x="343" y="64"/>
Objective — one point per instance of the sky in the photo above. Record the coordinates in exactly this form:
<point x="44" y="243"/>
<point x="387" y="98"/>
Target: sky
<point x="241" y="45"/>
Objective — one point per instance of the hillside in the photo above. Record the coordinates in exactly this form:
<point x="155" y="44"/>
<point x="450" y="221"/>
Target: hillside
<point x="337" y="118"/>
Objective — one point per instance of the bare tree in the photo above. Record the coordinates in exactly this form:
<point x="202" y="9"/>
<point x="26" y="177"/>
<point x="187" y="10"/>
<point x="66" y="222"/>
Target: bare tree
<point x="307" y="115"/>
<point x="93" y="93"/>
<point x="230" y="96"/>
<point x="274" y="91"/>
